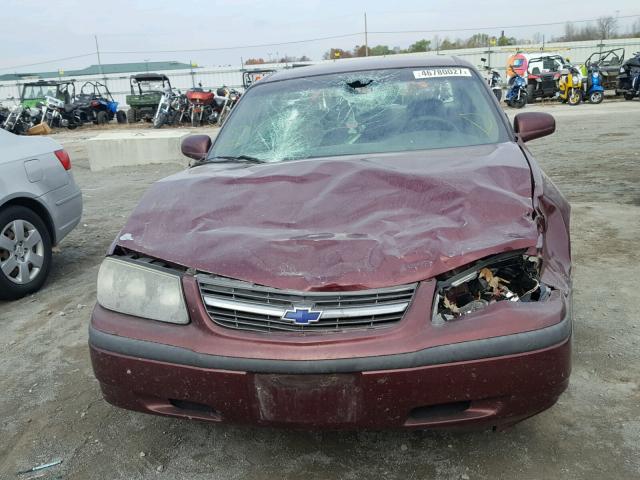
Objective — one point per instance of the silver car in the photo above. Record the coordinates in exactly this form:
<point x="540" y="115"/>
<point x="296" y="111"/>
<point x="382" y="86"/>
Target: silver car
<point x="40" y="204"/>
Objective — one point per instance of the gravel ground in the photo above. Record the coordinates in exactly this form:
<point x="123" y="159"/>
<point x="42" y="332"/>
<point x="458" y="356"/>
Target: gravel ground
<point x="50" y="404"/>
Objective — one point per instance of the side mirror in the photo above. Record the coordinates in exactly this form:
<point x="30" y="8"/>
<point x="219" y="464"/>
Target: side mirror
<point x="532" y="125"/>
<point x="196" y="146"/>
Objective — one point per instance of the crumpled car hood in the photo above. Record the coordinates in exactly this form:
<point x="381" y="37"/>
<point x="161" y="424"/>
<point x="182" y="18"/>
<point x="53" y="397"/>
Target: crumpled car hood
<point x="339" y="223"/>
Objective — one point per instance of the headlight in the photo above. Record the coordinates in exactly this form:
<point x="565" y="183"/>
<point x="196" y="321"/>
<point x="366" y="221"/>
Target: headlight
<point x="147" y="292"/>
<point x="510" y="276"/>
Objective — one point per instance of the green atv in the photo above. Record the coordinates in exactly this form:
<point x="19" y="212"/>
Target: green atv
<point x="146" y="91"/>
<point x="35" y="92"/>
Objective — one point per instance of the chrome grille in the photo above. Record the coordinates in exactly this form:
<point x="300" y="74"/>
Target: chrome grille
<point x="245" y="306"/>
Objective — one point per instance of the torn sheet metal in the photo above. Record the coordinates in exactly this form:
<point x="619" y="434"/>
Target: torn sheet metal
<point x="511" y="276"/>
<point x="340" y="223"/>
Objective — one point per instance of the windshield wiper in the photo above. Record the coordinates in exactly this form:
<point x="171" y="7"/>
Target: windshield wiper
<point x="239" y="158"/>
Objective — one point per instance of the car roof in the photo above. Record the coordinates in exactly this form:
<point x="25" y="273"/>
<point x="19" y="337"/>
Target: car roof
<point x="17" y="147"/>
<point x="368" y="63"/>
<point x="48" y="82"/>
<point x="542" y="57"/>
<point x="149" y="76"/>
<point x="530" y="55"/>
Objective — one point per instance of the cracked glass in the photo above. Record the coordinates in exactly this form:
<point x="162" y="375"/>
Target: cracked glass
<point x="358" y="113"/>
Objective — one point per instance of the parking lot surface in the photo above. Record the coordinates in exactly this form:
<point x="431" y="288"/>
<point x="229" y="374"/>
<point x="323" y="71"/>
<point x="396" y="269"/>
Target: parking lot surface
<point x="51" y="407"/>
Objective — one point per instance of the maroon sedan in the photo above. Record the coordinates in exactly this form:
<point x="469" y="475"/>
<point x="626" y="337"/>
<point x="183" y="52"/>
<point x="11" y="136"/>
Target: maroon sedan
<point x="366" y="244"/>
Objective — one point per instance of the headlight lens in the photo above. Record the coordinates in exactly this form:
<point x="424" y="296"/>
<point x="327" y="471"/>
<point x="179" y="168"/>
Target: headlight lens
<point x="134" y="289"/>
<point x="510" y="276"/>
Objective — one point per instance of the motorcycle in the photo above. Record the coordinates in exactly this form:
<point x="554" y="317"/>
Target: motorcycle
<point x="56" y="114"/>
<point x="168" y="108"/>
<point x="570" y="86"/>
<point x="224" y="100"/>
<point x="592" y="85"/>
<point x="493" y="79"/>
<point x="629" y="78"/>
<point x="635" y="86"/>
<point x="50" y="111"/>
<point x="517" y="93"/>
<point x="20" y="120"/>
<point x="4" y="113"/>
<point x="201" y="106"/>
<point x="183" y="106"/>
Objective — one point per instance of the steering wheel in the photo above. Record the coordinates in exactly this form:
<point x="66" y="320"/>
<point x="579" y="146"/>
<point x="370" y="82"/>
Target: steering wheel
<point x="425" y="119"/>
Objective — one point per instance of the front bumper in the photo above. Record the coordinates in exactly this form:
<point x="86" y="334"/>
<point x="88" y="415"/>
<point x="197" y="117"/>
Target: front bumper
<point x="482" y="382"/>
<point x="482" y="393"/>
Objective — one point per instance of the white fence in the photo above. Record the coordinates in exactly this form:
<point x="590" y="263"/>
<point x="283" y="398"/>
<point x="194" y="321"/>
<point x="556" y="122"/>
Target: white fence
<point x="118" y="84"/>
<point x="577" y="52"/>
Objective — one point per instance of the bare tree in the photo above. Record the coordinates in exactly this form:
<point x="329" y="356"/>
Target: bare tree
<point x="569" y="32"/>
<point x="607" y="27"/>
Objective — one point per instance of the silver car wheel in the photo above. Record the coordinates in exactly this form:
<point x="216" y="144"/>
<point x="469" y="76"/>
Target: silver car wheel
<point x="21" y="251"/>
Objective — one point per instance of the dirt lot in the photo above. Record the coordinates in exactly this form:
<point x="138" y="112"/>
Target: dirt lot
<point x="50" y="404"/>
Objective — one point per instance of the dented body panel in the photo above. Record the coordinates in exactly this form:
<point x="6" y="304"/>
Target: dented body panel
<point x="349" y="223"/>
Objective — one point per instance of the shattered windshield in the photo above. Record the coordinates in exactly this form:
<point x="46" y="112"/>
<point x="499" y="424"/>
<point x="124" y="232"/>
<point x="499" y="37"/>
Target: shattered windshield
<point x="360" y="113"/>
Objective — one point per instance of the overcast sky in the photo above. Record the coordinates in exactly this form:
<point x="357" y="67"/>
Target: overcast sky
<point x="34" y="31"/>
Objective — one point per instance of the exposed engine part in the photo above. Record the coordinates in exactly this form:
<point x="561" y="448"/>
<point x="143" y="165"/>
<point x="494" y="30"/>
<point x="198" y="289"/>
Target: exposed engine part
<point x="511" y="276"/>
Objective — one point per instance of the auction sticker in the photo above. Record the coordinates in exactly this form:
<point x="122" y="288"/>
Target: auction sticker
<point x="442" y="72"/>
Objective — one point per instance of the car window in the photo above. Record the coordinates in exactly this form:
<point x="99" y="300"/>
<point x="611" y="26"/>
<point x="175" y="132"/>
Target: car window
<point x="31" y="92"/>
<point x="535" y="64"/>
<point x="151" y="86"/>
<point x="545" y="64"/>
<point x="361" y="112"/>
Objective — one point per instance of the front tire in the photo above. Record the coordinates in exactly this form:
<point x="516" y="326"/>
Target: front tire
<point x="530" y="94"/>
<point x="121" y="117"/>
<point x="102" y="118"/>
<point x="131" y="116"/>
<point x="159" y="120"/>
<point x="575" y="97"/>
<point x="596" y="97"/>
<point x="628" y="96"/>
<point x="519" y="102"/>
<point x="25" y="252"/>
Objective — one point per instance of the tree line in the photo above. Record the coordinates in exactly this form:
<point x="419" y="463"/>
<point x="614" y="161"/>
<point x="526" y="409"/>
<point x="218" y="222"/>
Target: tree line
<point x="602" y="29"/>
<point x="285" y="59"/>
<point x="424" y="45"/>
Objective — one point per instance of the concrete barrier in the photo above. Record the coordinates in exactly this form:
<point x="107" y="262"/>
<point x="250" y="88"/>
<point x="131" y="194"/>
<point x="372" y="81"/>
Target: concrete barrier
<point x="116" y="149"/>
